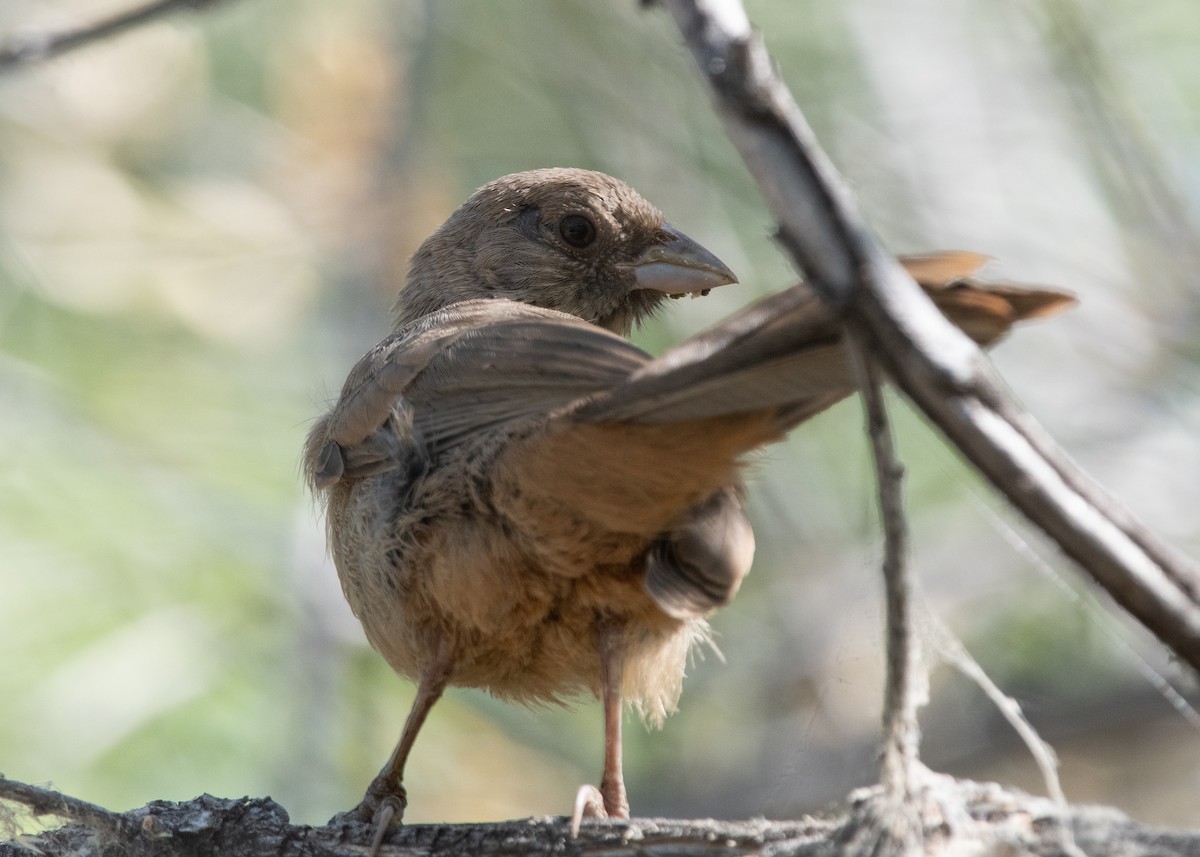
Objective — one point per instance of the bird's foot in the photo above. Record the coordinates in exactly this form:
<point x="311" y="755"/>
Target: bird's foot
<point x="589" y="803"/>
<point x="379" y="807"/>
<point x="608" y="801"/>
<point x="391" y="809"/>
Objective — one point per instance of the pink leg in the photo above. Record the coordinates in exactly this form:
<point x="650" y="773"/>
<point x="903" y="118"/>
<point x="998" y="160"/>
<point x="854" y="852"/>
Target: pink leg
<point x="610" y="801"/>
<point x="612" y="783"/>
<point x="386" y="797"/>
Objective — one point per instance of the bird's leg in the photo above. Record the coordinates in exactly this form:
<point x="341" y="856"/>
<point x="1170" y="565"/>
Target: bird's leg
<point x="612" y="782"/>
<point x="386" y="797"/>
<point x="611" y="800"/>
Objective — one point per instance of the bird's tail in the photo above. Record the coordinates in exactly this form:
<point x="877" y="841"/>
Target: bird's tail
<point x="785" y="352"/>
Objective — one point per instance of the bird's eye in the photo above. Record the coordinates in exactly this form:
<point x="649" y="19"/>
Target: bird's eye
<point x="577" y="230"/>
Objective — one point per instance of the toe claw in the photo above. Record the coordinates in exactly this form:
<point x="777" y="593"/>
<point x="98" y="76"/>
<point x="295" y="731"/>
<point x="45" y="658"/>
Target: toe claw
<point x="589" y="803"/>
<point x="391" y="809"/>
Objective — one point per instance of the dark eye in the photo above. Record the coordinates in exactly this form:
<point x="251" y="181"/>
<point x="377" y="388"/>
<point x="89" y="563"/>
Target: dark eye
<point x="577" y="230"/>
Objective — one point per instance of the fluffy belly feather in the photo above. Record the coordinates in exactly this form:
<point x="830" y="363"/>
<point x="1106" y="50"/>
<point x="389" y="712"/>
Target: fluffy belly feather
<point x="518" y="630"/>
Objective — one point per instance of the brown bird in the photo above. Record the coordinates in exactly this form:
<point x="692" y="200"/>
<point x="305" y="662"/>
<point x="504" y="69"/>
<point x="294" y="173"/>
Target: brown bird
<point x="520" y="500"/>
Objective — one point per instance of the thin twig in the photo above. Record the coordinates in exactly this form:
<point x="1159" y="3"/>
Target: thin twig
<point x="895" y="818"/>
<point x="24" y="51"/>
<point x="935" y="365"/>
<point x="905" y="687"/>
<point x="950" y="649"/>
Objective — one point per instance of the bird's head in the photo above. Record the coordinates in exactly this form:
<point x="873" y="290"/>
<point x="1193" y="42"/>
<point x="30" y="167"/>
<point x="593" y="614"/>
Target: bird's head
<point x="576" y="241"/>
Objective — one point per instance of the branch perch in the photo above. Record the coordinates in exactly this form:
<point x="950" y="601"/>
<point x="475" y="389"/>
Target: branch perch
<point x="990" y="820"/>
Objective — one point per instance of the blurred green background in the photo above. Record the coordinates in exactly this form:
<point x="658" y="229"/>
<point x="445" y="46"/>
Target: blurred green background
<point x="203" y="224"/>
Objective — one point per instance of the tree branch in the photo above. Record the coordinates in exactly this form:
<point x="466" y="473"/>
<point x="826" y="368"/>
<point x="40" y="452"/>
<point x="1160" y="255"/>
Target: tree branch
<point x="987" y="819"/>
<point x="935" y="365"/>
<point x="21" y="52"/>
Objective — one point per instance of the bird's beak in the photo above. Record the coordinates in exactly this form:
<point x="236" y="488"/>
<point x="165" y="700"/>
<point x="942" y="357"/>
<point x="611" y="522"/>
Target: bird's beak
<point x="679" y="266"/>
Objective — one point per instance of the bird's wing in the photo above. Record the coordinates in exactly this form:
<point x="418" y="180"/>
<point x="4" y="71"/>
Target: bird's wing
<point x="785" y="351"/>
<point x="514" y="369"/>
<point x="484" y="367"/>
<point x="671" y="434"/>
<point x="650" y="463"/>
<point x="459" y="373"/>
<point x="643" y="456"/>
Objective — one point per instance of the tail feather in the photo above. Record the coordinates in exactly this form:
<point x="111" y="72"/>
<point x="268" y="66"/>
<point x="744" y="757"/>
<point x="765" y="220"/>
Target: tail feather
<point x="777" y="352"/>
<point x="785" y="352"/>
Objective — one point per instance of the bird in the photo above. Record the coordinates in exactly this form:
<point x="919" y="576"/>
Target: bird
<point x="518" y="499"/>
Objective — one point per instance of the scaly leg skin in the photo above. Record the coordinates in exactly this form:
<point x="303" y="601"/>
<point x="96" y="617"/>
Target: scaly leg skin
<point x="386" y="798"/>
<point x="610" y="800"/>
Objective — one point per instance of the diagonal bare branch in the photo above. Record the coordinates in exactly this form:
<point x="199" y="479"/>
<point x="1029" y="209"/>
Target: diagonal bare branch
<point x="934" y="364"/>
<point x="20" y="52"/>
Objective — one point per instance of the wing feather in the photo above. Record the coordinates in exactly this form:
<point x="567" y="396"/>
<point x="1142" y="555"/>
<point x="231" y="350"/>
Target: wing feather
<point x="458" y="374"/>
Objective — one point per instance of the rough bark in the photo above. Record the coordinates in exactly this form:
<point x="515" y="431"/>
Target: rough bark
<point x="959" y="817"/>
